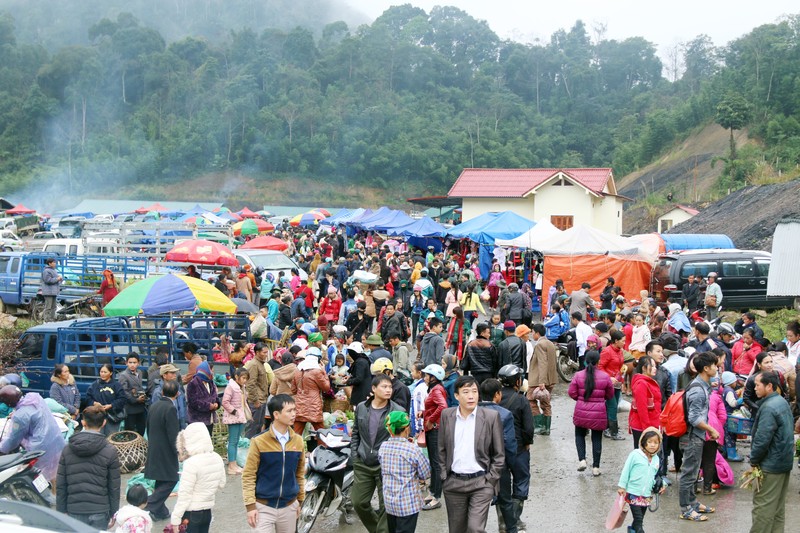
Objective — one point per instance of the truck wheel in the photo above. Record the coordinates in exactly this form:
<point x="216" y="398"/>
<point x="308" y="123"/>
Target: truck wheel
<point x="2" y="306"/>
<point x="797" y="304"/>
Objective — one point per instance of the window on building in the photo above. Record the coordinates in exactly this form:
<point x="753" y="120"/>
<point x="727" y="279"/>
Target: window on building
<point x="562" y="222"/>
<point x="665" y="225"/>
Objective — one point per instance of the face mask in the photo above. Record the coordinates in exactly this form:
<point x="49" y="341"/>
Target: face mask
<point x="367" y="352"/>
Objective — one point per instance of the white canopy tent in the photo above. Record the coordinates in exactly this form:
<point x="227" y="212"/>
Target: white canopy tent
<point x="541" y="232"/>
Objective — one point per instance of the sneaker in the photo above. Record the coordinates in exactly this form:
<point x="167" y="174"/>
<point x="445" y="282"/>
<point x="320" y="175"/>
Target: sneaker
<point x="582" y="466"/>
<point x="595" y="471"/>
<point x="433" y="504"/>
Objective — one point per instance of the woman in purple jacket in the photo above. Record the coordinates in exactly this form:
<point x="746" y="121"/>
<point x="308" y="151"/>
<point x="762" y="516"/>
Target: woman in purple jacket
<point x="590" y="388"/>
<point x="201" y="397"/>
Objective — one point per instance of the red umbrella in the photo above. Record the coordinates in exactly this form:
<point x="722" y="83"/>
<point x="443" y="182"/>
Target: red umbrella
<point x="265" y="243"/>
<point x="142" y="210"/>
<point x="247" y="213"/>
<point x="323" y="211"/>
<point x="20" y="210"/>
<point x="202" y="252"/>
<point x="156" y="207"/>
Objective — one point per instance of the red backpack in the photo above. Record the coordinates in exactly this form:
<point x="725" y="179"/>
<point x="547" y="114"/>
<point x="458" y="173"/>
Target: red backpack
<point x="674" y="416"/>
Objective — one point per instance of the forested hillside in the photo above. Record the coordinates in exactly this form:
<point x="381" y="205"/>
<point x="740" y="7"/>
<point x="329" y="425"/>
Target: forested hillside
<point x="401" y="104"/>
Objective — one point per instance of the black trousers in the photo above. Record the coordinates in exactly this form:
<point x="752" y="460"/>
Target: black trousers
<point x="597" y="444"/>
<point x="402" y="524"/>
<point x="155" y="503"/>
<point x="673" y="445"/>
<point x="709" y="464"/>
<point x="199" y="521"/>
<point x="136" y="422"/>
<point x="638" y="512"/>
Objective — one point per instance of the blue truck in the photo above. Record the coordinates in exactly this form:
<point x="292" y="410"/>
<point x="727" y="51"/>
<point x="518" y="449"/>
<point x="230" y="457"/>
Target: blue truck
<point x="21" y="274"/>
<point x="84" y="344"/>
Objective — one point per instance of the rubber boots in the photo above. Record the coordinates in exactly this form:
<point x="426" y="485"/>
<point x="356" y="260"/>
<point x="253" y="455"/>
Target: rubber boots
<point x="518" y="504"/>
<point x="538" y="424"/>
<point x="733" y="455"/>
<point x="546" y="420"/>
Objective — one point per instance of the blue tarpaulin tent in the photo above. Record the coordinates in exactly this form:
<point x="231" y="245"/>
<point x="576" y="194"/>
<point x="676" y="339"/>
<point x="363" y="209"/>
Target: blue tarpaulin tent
<point x="424" y="227"/>
<point x="688" y="241"/>
<point x="351" y="215"/>
<point x="330" y="221"/>
<point x="395" y="220"/>
<point x="369" y="216"/>
<point x="488" y="227"/>
<point x="471" y="226"/>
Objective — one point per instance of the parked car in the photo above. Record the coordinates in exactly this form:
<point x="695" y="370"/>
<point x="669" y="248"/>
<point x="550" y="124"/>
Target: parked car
<point x="9" y="242"/>
<point x="270" y="261"/>
<point x="39" y="239"/>
<point x="742" y="277"/>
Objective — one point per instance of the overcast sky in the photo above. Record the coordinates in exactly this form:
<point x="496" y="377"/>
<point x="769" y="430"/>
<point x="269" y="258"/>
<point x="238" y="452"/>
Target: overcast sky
<point x="663" y="23"/>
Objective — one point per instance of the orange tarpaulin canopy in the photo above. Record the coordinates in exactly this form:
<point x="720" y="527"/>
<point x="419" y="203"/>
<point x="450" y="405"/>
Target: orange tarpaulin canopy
<point x="632" y="276"/>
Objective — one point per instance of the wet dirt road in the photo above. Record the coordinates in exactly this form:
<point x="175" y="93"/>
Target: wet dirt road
<point x="561" y="499"/>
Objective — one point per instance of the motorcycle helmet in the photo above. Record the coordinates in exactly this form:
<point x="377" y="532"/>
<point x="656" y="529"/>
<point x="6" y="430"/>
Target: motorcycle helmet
<point x="434" y="370"/>
<point x="509" y="375"/>
<point x="10" y="395"/>
<point x="381" y="364"/>
<point x="355" y="348"/>
<point x="725" y="329"/>
<point x="13" y="379"/>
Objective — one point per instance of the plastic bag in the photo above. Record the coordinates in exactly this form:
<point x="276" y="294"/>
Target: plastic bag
<point x="139" y="479"/>
<point x="242" y="451"/>
<point x="617" y="513"/>
<point x="724" y="471"/>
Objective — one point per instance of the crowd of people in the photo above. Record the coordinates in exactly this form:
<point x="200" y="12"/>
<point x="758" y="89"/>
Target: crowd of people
<point x="449" y="377"/>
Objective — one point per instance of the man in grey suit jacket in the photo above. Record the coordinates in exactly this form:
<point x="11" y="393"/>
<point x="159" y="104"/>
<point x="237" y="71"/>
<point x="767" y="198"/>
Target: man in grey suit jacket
<point x="471" y="456"/>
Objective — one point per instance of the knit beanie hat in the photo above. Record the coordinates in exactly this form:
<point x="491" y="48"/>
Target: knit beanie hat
<point x="396" y="422"/>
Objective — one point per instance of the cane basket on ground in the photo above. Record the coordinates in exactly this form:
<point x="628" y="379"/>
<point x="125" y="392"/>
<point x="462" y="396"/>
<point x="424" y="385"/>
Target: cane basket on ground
<point x="132" y="450"/>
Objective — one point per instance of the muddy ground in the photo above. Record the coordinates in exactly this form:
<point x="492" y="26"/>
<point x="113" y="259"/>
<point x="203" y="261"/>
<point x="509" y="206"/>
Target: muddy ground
<point x="561" y="499"/>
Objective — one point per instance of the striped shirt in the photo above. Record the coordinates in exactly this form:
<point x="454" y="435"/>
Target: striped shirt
<point x="402" y="467"/>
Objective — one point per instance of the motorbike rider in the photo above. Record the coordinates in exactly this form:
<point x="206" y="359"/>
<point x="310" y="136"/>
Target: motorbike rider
<point x="517" y="467"/>
<point x="34" y="428"/>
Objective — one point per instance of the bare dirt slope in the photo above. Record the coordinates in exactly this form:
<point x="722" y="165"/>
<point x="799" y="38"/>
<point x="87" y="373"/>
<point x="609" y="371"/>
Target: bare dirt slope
<point x="686" y="170"/>
<point x="749" y="215"/>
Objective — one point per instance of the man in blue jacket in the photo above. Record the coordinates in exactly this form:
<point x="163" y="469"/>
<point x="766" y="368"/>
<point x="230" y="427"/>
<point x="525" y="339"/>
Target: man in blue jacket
<point x="772" y="451"/>
<point x="491" y="395"/>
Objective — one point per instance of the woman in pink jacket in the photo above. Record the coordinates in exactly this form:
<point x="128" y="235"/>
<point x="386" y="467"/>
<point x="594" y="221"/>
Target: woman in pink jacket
<point x="591" y="388"/>
<point x="717" y="416"/>
<point x="234" y="415"/>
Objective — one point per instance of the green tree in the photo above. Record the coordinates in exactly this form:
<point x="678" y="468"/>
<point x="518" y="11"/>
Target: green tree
<point x="733" y="113"/>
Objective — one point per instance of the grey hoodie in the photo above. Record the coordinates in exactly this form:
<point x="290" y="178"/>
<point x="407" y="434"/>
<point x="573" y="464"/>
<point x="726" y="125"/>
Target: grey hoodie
<point x="431" y="349"/>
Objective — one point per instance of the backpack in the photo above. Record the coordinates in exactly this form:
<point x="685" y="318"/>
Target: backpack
<point x="675" y="415"/>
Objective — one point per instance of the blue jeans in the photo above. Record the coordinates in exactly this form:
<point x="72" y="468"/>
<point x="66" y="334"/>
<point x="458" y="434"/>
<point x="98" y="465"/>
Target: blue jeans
<point x="234" y="433"/>
<point x="612" y="405"/>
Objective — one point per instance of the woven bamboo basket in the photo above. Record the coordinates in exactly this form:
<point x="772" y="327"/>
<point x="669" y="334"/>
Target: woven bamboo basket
<point x="330" y="405"/>
<point x="132" y="450"/>
<point x="219" y="436"/>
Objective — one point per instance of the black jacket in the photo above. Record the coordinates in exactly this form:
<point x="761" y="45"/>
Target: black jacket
<point x="691" y="293"/>
<point x="360" y="379"/>
<point x="393" y="325"/>
<point x="284" y="316"/>
<point x="515" y="303"/>
<point x="606" y="297"/>
<point x="523" y="417"/>
<point x="162" y="430"/>
<point x="88" y="476"/>
<point x="513" y="351"/>
<point x="357" y="324"/>
<point x="664" y="383"/>
<point x="361" y="445"/>
<point x="400" y="394"/>
<point x="481" y="358"/>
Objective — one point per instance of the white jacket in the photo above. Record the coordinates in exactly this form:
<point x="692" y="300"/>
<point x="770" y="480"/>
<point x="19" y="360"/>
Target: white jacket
<point x="203" y="472"/>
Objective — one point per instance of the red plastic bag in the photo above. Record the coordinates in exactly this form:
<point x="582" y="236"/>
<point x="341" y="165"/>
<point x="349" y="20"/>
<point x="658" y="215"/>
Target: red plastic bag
<point x="617" y="513"/>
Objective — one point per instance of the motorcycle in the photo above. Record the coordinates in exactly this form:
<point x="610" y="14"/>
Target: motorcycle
<point x="329" y="480"/>
<point x="88" y="306"/>
<point x="566" y="366"/>
<point x="20" y="480"/>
